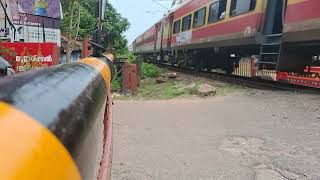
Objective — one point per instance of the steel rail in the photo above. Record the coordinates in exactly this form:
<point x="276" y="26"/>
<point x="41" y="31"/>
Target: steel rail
<point x="246" y="81"/>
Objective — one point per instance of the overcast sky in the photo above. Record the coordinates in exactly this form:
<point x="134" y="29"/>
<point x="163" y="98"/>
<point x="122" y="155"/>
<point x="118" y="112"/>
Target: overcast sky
<point x="142" y="14"/>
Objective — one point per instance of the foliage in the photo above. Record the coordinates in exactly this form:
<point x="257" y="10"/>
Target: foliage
<point x="116" y="84"/>
<point x="114" y="25"/>
<point x="183" y="88"/>
<point x="150" y="70"/>
<point x="131" y="58"/>
<point x="166" y="90"/>
<point x="87" y="24"/>
<point x="149" y="89"/>
<point x="71" y="26"/>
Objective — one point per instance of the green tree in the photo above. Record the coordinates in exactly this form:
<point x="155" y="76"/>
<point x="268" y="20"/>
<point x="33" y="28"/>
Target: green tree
<point x="71" y="25"/>
<point x="114" y="24"/>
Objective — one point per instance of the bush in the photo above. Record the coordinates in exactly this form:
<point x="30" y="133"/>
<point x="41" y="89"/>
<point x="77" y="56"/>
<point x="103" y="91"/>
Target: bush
<point x="150" y="70"/>
<point x="131" y="58"/>
<point x="116" y="84"/>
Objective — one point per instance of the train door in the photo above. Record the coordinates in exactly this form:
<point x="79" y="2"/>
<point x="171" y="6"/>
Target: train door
<point x="159" y="32"/>
<point x="272" y="31"/>
<point x="155" y="37"/>
<point x="274" y="17"/>
<point x="170" y="31"/>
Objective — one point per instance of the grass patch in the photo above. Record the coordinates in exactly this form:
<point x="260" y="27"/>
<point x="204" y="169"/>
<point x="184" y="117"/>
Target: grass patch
<point x="166" y="90"/>
<point x="183" y="86"/>
<point x="149" y="89"/>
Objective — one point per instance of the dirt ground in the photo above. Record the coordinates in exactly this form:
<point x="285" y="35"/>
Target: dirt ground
<point x="183" y="86"/>
<point x="260" y="135"/>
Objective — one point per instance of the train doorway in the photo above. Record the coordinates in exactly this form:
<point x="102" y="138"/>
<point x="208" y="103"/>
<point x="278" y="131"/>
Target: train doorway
<point x="272" y="30"/>
<point x="170" y="31"/>
<point x="274" y="18"/>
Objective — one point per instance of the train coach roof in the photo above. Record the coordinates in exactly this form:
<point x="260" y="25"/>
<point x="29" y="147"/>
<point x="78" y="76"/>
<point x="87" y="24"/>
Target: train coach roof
<point x="165" y="16"/>
<point x="142" y="34"/>
<point x="180" y="6"/>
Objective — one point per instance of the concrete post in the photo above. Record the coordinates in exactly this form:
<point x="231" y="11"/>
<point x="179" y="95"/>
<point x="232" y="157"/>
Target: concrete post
<point x="133" y="79"/>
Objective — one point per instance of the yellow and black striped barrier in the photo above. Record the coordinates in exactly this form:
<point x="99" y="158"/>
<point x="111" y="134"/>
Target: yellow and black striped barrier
<point x="55" y="123"/>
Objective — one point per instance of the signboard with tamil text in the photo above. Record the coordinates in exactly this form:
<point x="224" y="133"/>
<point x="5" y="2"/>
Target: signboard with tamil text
<point x="30" y="56"/>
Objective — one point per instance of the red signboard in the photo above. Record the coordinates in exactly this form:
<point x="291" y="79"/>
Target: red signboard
<point x="28" y="56"/>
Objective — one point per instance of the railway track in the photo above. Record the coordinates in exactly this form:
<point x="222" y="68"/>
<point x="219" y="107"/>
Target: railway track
<point x="246" y="81"/>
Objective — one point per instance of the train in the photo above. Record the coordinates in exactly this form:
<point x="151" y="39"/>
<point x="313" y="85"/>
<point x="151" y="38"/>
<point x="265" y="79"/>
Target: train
<point x="277" y="40"/>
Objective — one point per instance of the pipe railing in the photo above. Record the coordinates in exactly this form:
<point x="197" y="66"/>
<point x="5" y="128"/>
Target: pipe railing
<point x="55" y="123"/>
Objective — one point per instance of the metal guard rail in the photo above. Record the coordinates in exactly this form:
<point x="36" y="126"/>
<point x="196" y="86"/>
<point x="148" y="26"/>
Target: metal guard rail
<point x="55" y="123"/>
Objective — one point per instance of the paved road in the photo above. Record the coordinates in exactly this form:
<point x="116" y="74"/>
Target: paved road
<point x="259" y="136"/>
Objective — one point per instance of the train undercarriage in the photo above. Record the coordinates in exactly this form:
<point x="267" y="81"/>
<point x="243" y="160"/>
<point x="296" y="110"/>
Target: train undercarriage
<point x="292" y="63"/>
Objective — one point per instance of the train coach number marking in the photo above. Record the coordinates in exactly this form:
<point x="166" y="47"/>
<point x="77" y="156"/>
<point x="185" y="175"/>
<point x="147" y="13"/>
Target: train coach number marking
<point x="184" y="37"/>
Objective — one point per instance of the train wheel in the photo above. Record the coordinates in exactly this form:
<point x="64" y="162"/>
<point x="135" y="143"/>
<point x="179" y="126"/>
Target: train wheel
<point x="230" y="66"/>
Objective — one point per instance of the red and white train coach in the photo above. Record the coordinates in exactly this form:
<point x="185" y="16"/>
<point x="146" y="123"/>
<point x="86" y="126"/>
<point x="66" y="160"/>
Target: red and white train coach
<point x="271" y="39"/>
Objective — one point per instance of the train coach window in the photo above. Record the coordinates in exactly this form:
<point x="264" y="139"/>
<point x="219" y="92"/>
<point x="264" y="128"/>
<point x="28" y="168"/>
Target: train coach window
<point x="199" y="18"/>
<point x="186" y="23"/>
<point x="242" y="6"/>
<point x="176" y="27"/>
<point x="217" y="11"/>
